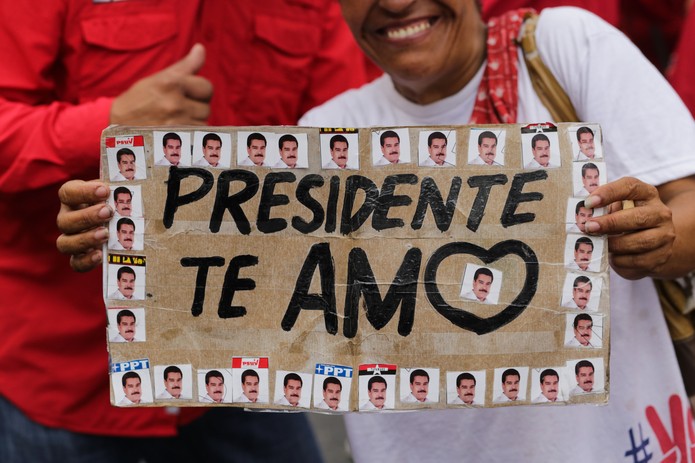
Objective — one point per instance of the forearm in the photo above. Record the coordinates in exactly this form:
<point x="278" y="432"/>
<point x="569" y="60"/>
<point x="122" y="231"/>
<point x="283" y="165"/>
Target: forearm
<point x="679" y="196"/>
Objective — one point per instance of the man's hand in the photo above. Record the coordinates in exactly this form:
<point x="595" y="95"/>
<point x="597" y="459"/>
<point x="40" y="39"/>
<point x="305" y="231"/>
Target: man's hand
<point x="640" y="239"/>
<point x="172" y="96"/>
<point x="83" y="211"/>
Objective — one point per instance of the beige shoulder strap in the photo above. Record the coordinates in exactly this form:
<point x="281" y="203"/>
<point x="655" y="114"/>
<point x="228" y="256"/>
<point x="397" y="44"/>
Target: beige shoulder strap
<point x="544" y="83"/>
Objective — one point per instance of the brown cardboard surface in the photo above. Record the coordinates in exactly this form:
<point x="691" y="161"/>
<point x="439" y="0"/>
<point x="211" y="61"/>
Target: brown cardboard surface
<point x="271" y="263"/>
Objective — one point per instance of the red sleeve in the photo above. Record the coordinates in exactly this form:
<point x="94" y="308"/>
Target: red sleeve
<point x="340" y="65"/>
<point x="683" y="70"/>
<point x="42" y="143"/>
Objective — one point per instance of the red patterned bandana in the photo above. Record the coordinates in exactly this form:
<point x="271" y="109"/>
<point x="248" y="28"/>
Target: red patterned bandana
<point x="498" y="94"/>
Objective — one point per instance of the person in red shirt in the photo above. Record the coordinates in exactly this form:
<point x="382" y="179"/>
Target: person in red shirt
<point x="70" y="69"/>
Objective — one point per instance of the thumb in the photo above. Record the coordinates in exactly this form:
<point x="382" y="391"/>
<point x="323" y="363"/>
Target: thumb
<point x="191" y="63"/>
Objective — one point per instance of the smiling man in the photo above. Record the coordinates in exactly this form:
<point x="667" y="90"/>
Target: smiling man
<point x="585" y="140"/>
<point x="465" y="389"/>
<point x="442" y="66"/>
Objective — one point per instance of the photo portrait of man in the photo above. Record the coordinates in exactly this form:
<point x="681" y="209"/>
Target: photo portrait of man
<point x="540" y="149"/>
<point x="583" y="253"/>
<point x="171" y="147"/>
<point x="292" y="390"/>
<point x="487" y="150"/>
<point x="173" y="383"/>
<point x="212" y="151"/>
<point x="123" y="202"/>
<point x="582" y="326"/>
<point x="585" y="140"/>
<point x="376" y="391"/>
<point x="125" y="280"/>
<point x="584" y="373"/>
<point x="481" y="286"/>
<point x="338" y="146"/>
<point x="125" y="235"/>
<point x="465" y="389"/>
<point x="132" y="388"/>
<point x="590" y="179"/>
<point x="289" y="152"/>
<point x="550" y="386"/>
<point x="436" y="150"/>
<point x="419" y="387"/>
<point x="126" y="324"/>
<point x="511" y="382"/>
<point x="250" y="386"/>
<point x="390" y="143"/>
<point x="581" y="215"/>
<point x="214" y="387"/>
<point x="332" y="390"/>
<point x="255" y="150"/>
<point x="581" y="293"/>
<point x="125" y="159"/>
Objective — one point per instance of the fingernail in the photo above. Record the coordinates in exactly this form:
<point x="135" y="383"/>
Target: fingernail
<point x="102" y="192"/>
<point x="96" y="257"/>
<point x="591" y="227"/>
<point x="104" y="212"/>
<point x="592" y="201"/>
<point x="102" y="234"/>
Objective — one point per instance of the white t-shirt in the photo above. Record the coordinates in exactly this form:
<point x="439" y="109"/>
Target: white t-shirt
<point x="611" y="83"/>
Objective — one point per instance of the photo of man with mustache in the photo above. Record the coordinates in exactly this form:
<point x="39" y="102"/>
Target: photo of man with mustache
<point x="212" y="151"/>
<point x="581" y="293"/>
<point x="465" y="389"/>
<point x="125" y="159"/>
<point x="419" y="387"/>
<point x="173" y="383"/>
<point x="511" y="380"/>
<point x="487" y="150"/>
<point x="481" y="287"/>
<point x="436" y="151"/>
<point x="249" y="387"/>
<point x="376" y="391"/>
<point x="126" y="323"/>
<point x="584" y="372"/>
<point x="132" y="388"/>
<point x="332" y="391"/>
<point x="540" y="149"/>
<point x="125" y="280"/>
<point x="338" y="145"/>
<point x="590" y="179"/>
<point x="214" y="387"/>
<point x="550" y="387"/>
<point x="125" y="235"/>
<point x="583" y="252"/>
<point x="582" y="331"/>
<point x="122" y="200"/>
<point x="390" y="143"/>
<point x="289" y="153"/>
<point x="292" y="390"/>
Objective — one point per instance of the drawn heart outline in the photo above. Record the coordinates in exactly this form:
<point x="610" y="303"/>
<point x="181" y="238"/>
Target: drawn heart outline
<point x="463" y="318"/>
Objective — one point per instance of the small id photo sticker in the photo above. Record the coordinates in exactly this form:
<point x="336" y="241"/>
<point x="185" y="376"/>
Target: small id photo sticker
<point x="486" y="147"/>
<point x="465" y="388"/>
<point x="127" y="324"/>
<point x="173" y="382"/>
<point x="250" y="379"/>
<point x="332" y="387"/>
<point x="390" y="147"/>
<point x="214" y="386"/>
<point x="437" y="148"/>
<point x="171" y="149"/>
<point x="419" y="386"/>
<point x="340" y="151"/>
<point x="126" y="201"/>
<point x="212" y="149"/>
<point x="126" y="158"/>
<point x="481" y="284"/>
<point x="131" y="383"/>
<point x="293" y="389"/>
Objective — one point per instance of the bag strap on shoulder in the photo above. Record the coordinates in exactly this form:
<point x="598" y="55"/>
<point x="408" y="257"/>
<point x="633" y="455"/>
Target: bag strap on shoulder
<point x="544" y="83"/>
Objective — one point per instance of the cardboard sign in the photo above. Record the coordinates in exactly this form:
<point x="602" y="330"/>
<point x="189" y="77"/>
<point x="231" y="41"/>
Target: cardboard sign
<point x="439" y="267"/>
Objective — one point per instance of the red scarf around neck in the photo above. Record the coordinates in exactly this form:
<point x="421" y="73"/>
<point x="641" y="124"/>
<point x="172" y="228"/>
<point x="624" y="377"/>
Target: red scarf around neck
<point x="498" y="95"/>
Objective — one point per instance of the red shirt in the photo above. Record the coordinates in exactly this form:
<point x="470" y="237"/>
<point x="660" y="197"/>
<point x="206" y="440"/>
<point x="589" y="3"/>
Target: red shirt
<point x="683" y="70"/>
<point x="62" y="63"/>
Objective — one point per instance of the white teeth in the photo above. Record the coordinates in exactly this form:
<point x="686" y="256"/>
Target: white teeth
<point x="409" y="31"/>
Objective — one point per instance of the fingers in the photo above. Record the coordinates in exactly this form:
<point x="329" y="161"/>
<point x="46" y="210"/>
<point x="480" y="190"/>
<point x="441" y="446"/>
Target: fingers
<point x="72" y="221"/>
<point x="197" y="88"/>
<point x="191" y="63"/>
<point x="87" y="261"/>
<point x="620" y="190"/>
<point x="82" y="242"/>
<point x="640" y="265"/>
<point x="645" y="216"/>
<point x="77" y="192"/>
